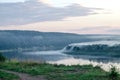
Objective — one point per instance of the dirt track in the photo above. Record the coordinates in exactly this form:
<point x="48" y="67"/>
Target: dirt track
<point x="24" y="76"/>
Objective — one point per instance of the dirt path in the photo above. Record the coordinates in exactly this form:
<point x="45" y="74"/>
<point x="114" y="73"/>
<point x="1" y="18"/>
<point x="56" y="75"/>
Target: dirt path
<point x="24" y="76"/>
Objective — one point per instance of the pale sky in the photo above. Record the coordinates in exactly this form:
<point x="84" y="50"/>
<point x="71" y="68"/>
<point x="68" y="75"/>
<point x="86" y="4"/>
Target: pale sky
<point x="73" y="16"/>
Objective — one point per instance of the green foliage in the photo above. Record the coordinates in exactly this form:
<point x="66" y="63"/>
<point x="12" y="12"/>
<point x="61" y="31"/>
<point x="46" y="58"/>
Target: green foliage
<point x="57" y="72"/>
<point x="2" y="58"/>
<point x="8" y="76"/>
<point x="113" y="74"/>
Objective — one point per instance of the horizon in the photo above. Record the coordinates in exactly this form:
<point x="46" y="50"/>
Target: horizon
<point x="75" y="16"/>
<point x="64" y="32"/>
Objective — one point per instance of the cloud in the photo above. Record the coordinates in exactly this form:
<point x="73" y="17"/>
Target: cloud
<point x="32" y="11"/>
<point x="97" y="30"/>
<point x="92" y="28"/>
<point x="114" y="30"/>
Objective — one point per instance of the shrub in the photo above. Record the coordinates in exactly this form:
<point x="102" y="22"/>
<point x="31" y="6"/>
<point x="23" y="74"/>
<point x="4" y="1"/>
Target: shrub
<point x="2" y="58"/>
<point x="113" y="75"/>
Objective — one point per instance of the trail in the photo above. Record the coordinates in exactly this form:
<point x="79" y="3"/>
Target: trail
<point x="24" y="76"/>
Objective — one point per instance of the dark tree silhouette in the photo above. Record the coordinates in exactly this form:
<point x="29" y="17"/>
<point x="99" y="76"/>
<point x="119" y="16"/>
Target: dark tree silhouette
<point x="113" y="75"/>
<point x="2" y="58"/>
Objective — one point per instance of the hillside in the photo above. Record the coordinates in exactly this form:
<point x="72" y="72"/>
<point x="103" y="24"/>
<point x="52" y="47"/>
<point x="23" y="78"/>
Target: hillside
<point x="37" y="40"/>
<point x="34" y="40"/>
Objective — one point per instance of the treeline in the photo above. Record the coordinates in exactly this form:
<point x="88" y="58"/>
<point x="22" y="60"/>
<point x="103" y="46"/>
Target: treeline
<point x="33" y="40"/>
<point x="98" y="48"/>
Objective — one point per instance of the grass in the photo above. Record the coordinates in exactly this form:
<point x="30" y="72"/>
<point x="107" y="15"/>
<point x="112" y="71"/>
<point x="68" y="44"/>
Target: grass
<point x="57" y="72"/>
<point x="8" y="76"/>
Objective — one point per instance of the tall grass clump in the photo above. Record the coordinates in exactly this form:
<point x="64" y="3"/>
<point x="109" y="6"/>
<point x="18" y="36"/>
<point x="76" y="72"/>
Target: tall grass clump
<point x="113" y="74"/>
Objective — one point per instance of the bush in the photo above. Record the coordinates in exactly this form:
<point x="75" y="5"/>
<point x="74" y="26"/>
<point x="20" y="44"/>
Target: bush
<point x="113" y="75"/>
<point x="2" y="58"/>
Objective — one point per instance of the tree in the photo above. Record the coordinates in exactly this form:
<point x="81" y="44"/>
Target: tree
<point x="113" y="75"/>
<point x="2" y="58"/>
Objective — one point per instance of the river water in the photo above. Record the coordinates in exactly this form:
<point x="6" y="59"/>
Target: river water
<point x="57" y="57"/>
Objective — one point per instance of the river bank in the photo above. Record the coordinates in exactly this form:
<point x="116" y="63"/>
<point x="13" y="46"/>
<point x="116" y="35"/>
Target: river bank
<point x="56" y="72"/>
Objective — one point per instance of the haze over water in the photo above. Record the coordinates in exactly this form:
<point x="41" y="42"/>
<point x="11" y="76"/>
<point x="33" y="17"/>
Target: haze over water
<point x="57" y="57"/>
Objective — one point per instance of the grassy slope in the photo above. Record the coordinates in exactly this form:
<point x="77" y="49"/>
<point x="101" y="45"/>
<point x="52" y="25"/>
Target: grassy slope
<point x="55" y="72"/>
<point x="8" y="76"/>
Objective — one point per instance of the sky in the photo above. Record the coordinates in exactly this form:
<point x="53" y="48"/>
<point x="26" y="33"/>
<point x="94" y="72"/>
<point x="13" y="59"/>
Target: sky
<point x="72" y="16"/>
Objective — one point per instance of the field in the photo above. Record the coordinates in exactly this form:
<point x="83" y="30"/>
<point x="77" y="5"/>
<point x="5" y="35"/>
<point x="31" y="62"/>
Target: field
<point x="53" y="72"/>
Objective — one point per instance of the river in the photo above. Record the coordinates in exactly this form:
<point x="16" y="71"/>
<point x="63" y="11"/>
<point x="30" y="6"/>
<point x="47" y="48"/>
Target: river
<point x="57" y="57"/>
